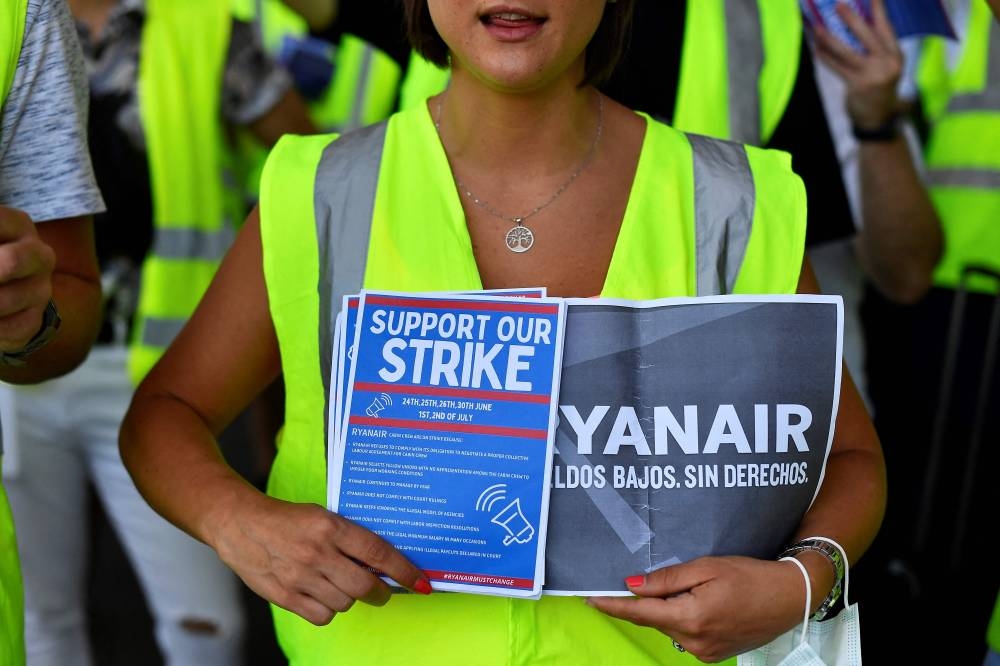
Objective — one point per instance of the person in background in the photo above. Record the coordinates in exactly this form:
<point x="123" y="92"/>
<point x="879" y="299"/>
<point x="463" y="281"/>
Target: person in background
<point x="168" y="81"/>
<point x="993" y="637"/>
<point x="50" y="290"/>
<point x="895" y="248"/>
<point x="932" y="366"/>
<point x="520" y="114"/>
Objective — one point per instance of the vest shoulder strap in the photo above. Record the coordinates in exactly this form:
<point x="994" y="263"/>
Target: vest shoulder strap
<point x="724" y="196"/>
<point x="750" y="219"/>
<point x="13" y="14"/>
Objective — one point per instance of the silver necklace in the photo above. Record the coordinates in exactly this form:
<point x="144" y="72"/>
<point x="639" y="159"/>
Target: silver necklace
<point x="520" y="238"/>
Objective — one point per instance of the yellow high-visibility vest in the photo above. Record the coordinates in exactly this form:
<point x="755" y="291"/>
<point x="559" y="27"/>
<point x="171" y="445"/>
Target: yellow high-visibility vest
<point x="196" y="199"/>
<point x="963" y="149"/>
<point x="378" y="208"/>
<point x="12" y="17"/>
<point x="993" y="633"/>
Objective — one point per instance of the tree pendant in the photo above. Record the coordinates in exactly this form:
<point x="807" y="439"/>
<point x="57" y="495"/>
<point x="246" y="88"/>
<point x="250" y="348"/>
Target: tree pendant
<point x="519" y="238"/>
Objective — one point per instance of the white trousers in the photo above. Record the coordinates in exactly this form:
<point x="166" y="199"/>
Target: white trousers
<point x="67" y="435"/>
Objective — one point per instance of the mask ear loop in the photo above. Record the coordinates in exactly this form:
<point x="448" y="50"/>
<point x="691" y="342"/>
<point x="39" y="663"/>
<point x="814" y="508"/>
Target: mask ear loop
<point x="847" y="565"/>
<point x="805" y="616"/>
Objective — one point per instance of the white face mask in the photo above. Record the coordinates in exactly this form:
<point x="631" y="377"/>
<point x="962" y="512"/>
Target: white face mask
<point x="835" y="642"/>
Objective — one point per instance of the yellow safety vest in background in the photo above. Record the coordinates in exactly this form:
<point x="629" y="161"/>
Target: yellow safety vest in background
<point x="963" y="149"/>
<point x="378" y="208"/>
<point x="739" y="63"/>
<point x="365" y="80"/>
<point x="196" y="200"/>
<point x="993" y="633"/>
<point x="363" y="90"/>
<point x="12" y="17"/>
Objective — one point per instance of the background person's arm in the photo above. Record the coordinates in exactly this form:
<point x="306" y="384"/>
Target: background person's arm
<point x="319" y="14"/>
<point x="50" y="260"/>
<point x="258" y="93"/>
<point x="288" y="116"/>
<point x="900" y="241"/>
<point x="46" y="178"/>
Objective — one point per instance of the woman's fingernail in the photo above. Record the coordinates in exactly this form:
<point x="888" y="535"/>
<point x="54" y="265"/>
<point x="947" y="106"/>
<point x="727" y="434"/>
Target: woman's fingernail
<point x="423" y="586"/>
<point x="635" y="581"/>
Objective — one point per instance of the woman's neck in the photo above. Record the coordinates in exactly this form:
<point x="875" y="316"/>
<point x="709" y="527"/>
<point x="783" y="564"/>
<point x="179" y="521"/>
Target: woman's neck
<point x="538" y="132"/>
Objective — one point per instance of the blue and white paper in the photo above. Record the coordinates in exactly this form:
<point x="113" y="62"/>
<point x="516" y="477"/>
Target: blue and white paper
<point x="909" y="18"/>
<point x="448" y="437"/>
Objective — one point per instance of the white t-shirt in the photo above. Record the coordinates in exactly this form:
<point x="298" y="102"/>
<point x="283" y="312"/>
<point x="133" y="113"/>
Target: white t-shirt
<point x="45" y="167"/>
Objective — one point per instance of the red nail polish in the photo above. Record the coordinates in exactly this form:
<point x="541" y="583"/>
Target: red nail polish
<point x="423" y="586"/>
<point x="635" y="581"/>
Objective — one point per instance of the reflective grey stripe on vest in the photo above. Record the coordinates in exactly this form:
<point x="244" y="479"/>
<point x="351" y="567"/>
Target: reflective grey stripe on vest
<point x="724" y="201"/>
<point x="745" y="60"/>
<point x="344" y="200"/>
<point x="160" y="332"/>
<point x="196" y="244"/>
<point x="982" y="179"/>
<point x="989" y="98"/>
<point x="183" y="245"/>
<point x="362" y="90"/>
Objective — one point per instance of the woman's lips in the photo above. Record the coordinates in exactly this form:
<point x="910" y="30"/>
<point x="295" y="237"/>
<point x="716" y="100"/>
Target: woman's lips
<point x="511" y="26"/>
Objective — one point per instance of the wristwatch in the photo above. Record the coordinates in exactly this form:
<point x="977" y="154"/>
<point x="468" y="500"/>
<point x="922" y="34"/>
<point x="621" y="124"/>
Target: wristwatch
<point x="887" y="131"/>
<point x="50" y="325"/>
<point x="833" y="554"/>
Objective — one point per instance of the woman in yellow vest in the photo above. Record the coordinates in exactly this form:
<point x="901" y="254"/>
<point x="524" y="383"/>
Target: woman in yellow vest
<point x="605" y="201"/>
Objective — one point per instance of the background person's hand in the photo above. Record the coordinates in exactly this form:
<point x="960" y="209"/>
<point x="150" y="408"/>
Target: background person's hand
<point x="305" y="559"/>
<point x="26" y="266"/>
<point x="715" y="607"/>
<point x="871" y="77"/>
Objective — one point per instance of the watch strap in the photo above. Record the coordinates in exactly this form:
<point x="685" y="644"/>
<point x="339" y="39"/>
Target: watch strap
<point x="50" y="325"/>
<point x="887" y="131"/>
<point x="836" y="558"/>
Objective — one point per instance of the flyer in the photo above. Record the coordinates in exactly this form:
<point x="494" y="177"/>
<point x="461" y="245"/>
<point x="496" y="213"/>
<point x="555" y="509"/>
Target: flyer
<point x="448" y="439"/>
<point x="688" y="427"/>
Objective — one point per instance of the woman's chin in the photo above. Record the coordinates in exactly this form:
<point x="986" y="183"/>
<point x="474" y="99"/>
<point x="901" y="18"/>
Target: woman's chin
<point x="517" y="74"/>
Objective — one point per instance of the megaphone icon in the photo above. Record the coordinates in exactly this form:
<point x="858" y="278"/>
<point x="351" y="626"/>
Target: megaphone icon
<point x="511" y="519"/>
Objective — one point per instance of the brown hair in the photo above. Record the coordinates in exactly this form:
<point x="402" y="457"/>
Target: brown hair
<point x="603" y="52"/>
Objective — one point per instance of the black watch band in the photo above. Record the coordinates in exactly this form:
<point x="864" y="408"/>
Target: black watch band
<point x="887" y="131"/>
<point x="50" y="324"/>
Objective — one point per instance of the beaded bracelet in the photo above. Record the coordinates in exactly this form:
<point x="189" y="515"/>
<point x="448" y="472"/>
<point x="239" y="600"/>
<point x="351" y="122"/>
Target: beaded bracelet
<point x="834" y="552"/>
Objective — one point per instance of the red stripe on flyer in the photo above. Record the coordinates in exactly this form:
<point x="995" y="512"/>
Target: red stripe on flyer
<point x="481" y="394"/>
<point x="443" y="426"/>
<point x="435" y="304"/>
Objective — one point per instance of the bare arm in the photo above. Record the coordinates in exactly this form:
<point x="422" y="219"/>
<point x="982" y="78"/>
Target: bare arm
<point x="54" y="260"/>
<point x="319" y="14"/>
<point x="288" y="116"/>
<point x="298" y="556"/>
<point x="717" y="607"/>
<point x="901" y="241"/>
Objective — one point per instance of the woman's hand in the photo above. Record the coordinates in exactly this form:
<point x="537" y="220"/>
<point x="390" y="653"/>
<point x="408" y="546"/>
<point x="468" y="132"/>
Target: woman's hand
<point x="306" y="559"/>
<point x="26" y="266"/>
<point x="715" y="607"/>
<point x="871" y="77"/>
